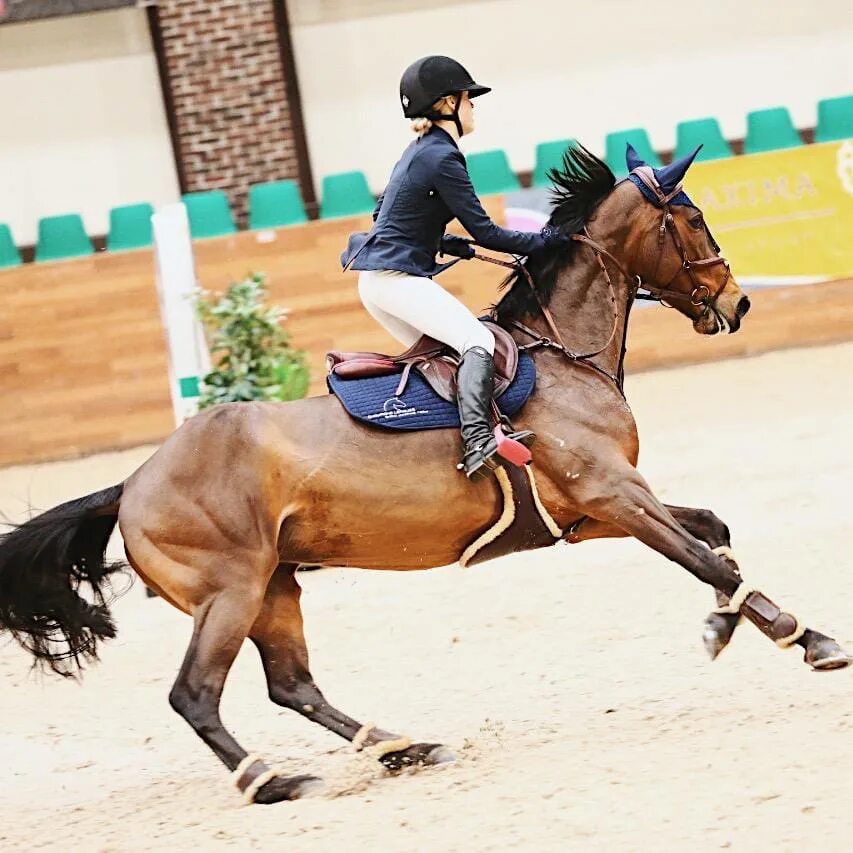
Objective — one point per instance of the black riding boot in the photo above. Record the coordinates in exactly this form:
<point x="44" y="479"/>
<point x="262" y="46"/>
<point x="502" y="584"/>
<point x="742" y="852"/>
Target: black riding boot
<point x="475" y="382"/>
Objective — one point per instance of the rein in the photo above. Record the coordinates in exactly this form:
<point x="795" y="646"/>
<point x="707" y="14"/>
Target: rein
<point x="556" y="342"/>
<point x="700" y="295"/>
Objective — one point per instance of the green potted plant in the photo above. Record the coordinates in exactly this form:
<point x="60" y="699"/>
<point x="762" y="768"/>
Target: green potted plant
<point x="250" y="351"/>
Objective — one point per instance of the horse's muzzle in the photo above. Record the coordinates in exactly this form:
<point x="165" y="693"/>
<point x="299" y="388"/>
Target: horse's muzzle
<point x="741" y="310"/>
<point x="724" y="316"/>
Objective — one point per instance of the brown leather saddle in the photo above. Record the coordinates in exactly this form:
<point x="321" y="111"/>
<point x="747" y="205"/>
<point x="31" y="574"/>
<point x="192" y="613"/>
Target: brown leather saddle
<point x="435" y="361"/>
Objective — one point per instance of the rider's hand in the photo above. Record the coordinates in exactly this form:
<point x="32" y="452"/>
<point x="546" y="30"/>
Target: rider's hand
<point x="554" y="238"/>
<point x="458" y="247"/>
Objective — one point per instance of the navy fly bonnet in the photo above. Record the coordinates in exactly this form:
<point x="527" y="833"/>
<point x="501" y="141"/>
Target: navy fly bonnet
<point x="668" y="179"/>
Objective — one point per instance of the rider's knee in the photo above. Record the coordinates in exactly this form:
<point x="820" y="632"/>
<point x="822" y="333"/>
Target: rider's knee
<point x="479" y="336"/>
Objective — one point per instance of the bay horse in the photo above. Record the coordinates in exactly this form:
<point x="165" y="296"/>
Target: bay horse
<point x="220" y="517"/>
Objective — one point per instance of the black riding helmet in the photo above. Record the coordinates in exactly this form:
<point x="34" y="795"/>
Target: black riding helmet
<point x="431" y="78"/>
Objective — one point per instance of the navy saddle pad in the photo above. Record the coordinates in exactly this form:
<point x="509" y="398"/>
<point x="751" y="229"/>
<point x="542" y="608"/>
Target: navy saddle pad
<point x="419" y="407"/>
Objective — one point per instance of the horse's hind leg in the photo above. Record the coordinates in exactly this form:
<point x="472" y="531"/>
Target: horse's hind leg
<point x="277" y="632"/>
<point x="705" y="526"/>
<point x="624" y="500"/>
<point x="221" y="624"/>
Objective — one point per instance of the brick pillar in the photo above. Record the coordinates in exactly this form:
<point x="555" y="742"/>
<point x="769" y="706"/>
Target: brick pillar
<point x="235" y="119"/>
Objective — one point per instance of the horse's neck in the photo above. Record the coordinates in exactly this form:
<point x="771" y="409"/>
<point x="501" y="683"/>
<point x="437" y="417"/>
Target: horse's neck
<point x="589" y="313"/>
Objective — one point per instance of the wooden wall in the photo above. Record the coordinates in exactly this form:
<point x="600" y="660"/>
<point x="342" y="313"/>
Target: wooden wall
<point x="82" y="350"/>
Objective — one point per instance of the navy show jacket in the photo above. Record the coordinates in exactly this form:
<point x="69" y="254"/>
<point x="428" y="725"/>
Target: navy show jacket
<point x="428" y="188"/>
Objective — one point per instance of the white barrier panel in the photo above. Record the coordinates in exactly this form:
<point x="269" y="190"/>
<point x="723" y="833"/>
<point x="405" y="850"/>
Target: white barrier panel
<point x="189" y="359"/>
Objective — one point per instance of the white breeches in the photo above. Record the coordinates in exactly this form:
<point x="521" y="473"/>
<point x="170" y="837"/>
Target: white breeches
<point x="408" y="306"/>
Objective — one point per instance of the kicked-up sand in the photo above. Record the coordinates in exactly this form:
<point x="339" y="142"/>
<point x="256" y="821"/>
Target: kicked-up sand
<point x="571" y="683"/>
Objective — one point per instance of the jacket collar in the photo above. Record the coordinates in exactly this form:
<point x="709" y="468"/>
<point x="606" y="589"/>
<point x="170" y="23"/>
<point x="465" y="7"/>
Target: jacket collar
<point x="442" y="134"/>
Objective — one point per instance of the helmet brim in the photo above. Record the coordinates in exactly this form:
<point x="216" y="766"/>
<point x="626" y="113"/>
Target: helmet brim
<point x="475" y="91"/>
<point x="417" y="110"/>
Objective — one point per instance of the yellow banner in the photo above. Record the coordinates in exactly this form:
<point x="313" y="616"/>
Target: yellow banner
<point x="784" y="216"/>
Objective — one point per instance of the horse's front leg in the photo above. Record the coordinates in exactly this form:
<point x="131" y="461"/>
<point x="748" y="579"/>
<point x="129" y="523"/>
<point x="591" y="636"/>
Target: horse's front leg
<point x="821" y="652"/>
<point x="701" y="524"/>
<point x="708" y="528"/>
<point x="624" y="500"/>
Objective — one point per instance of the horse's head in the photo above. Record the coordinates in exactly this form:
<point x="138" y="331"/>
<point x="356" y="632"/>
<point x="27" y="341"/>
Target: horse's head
<point x="672" y="250"/>
<point x="648" y="226"/>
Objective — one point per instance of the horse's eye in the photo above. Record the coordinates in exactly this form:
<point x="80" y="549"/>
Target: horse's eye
<point x="696" y="222"/>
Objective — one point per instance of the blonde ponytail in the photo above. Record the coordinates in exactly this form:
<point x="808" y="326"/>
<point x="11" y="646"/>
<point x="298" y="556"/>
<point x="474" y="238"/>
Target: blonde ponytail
<point x="421" y="125"/>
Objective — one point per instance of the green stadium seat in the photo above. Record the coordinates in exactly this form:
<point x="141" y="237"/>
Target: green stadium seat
<point x="274" y="204"/>
<point x="770" y="130"/>
<point x="549" y="155"/>
<point x="9" y="254"/>
<point x="130" y="227"/>
<point x="834" y="119"/>
<point x="346" y="194"/>
<point x="701" y="131"/>
<point x="62" y="237"/>
<point x="491" y="173"/>
<point x="209" y="213"/>
<point x="615" y="143"/>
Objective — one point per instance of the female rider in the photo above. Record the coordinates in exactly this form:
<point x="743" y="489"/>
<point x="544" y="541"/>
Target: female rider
<point x="428" y="188"/>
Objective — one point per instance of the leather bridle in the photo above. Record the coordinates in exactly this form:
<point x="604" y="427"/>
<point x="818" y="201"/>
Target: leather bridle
<point x="699" y="296"/>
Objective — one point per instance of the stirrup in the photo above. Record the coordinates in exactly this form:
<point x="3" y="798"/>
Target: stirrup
<point x="479" y="461"/>
<point x="525" y="436"/>
<point x="500" y="446"/>
<point x="511" y="449"/>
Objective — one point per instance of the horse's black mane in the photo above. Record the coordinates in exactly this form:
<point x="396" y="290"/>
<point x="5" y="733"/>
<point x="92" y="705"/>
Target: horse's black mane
<point x="578" y="188"/>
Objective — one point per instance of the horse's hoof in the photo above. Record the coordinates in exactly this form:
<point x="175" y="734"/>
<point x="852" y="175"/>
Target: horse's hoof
<point x="718" y="631"/>
<point x="825" y="654"/>
<point x="440" y="755"/>
<point x="287" y="788"/>
<point x="417" y="754"/>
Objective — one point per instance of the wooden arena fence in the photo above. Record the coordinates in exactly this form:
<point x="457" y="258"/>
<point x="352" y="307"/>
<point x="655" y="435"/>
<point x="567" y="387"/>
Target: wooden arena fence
<point x="83" y="356"/>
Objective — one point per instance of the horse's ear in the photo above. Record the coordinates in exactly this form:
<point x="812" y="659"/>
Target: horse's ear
<point x="672" y="175"/>
<point x="632" y="161"/>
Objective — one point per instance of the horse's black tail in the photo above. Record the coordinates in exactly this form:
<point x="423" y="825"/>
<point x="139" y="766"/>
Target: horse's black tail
<point x="43" y="564"/>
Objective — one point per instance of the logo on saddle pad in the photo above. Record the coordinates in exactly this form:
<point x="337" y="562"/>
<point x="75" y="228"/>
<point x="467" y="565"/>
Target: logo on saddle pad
<point x="394" y="408"/>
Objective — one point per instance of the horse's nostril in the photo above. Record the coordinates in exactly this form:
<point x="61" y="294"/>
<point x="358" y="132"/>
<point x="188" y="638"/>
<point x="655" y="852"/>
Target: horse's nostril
<point x="743" y="307"/>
